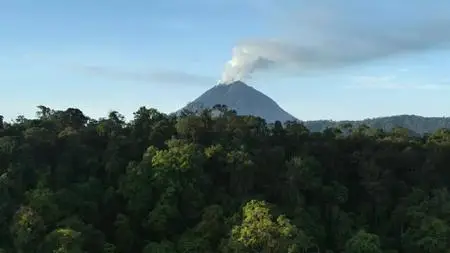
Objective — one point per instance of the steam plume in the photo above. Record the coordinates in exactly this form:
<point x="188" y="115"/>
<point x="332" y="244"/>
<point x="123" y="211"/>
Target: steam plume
<point x="345" y="33"/>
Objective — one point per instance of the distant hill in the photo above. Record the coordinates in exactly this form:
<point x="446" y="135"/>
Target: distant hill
<point x="417" y="124"/>
<point x="244" y="99"/>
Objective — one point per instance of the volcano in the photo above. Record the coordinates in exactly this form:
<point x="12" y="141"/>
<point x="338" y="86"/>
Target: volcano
<point x="242" y="98"/>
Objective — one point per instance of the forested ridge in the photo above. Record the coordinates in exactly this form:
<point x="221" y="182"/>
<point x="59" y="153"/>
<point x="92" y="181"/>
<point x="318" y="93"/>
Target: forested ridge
<point x="203" y="184"/>
<point x="416" y="124"/>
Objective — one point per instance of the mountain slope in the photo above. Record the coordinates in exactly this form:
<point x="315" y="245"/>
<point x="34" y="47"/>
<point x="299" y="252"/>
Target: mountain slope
<point x="244" y="99"/>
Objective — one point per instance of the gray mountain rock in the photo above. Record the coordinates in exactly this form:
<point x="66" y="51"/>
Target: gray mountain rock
<point x="244" y="99"/>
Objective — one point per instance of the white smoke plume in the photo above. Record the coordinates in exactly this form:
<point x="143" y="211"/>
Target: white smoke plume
<point x="329" y="34"/>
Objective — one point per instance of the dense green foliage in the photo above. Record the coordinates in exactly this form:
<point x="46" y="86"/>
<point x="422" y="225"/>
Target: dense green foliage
<point x="416" y="124"/>
<point x="229" y="183"/>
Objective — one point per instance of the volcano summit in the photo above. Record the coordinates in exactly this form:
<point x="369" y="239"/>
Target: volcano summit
<point x="244" y="99"/>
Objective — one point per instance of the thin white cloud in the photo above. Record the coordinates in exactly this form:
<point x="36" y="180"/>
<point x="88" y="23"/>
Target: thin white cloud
<point x="153" y="76"/>
<point x="433" y="87"/>
<point x="373" y="79"/>
<point x="391" y="83"/>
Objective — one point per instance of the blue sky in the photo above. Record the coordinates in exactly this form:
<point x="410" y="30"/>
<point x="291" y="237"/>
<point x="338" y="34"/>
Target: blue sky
<point x="118" y="55"/>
